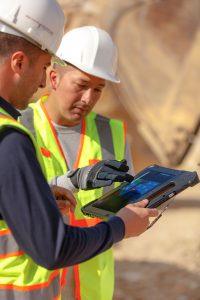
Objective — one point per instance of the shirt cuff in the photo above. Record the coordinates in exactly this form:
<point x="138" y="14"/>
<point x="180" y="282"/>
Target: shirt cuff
<point x="118" y="228"/>
<point x="65" y="182"/>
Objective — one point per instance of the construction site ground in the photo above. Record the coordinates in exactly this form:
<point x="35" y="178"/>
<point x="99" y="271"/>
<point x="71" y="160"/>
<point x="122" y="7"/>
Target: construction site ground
<point x="164" y="262"/>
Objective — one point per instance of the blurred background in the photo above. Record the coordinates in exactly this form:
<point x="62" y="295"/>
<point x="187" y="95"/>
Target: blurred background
<point x="159" y="98"/>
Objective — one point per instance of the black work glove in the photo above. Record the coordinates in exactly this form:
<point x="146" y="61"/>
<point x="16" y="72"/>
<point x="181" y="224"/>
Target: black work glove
<point x="101" y="174"/>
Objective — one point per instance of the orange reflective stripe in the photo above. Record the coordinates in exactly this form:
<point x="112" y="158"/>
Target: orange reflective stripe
<point x="84" y="222"/>
<point x="52" y="129"/>
<point x="93" y="161"/>
<point x="77" y="280"/>
<point x="63" y="277"/>
<point x="5" y="232"/>
<point x="11" y="254"/>
<point x="31" y="287"/>
<point x="81" y="144"/>
<point x="8" y="118"/>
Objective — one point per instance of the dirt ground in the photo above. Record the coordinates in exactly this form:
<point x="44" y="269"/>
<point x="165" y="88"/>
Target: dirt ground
<point x="163" y="263"/>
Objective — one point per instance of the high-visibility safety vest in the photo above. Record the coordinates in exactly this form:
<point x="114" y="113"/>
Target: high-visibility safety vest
<point x="101" y="138"/>
<point x="20" y="277"/>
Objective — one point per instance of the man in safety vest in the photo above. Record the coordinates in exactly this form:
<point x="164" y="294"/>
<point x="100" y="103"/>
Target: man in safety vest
<point x="70" y="136"/>
<point x="34" y="241"/>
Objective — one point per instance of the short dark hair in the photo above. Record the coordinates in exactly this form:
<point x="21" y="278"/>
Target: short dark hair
<point x="10" y="43"/>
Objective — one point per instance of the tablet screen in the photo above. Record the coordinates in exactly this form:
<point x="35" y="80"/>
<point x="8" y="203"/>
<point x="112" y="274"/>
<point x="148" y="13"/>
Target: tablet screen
<point x="132" y="191"/>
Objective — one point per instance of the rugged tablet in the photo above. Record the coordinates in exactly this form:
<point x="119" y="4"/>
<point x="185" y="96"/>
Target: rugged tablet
<point x="156" y="183"/>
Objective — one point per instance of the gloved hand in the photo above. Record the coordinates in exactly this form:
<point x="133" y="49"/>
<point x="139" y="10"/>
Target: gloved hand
<point x="101" y="174"/>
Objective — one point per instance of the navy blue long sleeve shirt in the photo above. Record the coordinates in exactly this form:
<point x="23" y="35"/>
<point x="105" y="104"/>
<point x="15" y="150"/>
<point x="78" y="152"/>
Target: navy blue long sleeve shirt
<point x="30" y="209"/>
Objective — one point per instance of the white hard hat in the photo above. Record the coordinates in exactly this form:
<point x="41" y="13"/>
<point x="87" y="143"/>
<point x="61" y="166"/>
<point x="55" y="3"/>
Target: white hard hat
<point x="39" y="21"/>
<point x="91" y="50"/>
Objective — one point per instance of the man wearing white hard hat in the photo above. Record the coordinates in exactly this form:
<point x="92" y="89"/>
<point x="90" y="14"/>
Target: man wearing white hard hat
<point x="65" y="126"/>
<point x="34" y="241"/>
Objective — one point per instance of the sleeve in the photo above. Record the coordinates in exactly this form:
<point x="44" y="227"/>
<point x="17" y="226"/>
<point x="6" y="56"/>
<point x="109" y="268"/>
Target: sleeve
<point x="30" y="210"/>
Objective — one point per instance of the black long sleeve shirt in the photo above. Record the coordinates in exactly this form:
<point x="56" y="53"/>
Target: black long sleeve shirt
<point x="30" y="209"/>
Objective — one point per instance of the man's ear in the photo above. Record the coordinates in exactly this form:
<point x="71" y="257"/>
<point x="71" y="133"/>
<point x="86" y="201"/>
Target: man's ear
<point x="19" y="62"/>
<point x="54" y="79"/>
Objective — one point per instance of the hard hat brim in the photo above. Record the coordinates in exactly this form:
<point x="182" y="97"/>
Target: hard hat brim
<point x="97" y="73"/>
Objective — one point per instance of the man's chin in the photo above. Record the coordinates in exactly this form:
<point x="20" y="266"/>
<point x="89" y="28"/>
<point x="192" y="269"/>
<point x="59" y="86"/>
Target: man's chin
<point x="23" y="104"/>
<point x="78" y="117"/>
<point x="75" y="120"/>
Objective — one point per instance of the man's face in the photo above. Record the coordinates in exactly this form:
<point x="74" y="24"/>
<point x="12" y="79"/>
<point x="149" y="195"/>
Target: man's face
<point x="33" y="77"/>
<point x="76" y="94"/>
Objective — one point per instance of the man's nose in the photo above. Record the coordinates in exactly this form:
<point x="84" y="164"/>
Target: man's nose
<point x="87" y="96"/>
<point x="43" y="81"/>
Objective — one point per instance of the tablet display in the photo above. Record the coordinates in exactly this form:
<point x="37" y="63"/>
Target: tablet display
<point x="133" y="191"/>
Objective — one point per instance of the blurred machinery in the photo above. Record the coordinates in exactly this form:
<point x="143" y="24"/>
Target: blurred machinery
<point x="159" y="55"/>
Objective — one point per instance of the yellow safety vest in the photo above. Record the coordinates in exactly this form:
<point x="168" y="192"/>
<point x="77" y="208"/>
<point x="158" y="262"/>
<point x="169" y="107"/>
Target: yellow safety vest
<point x="20" y="277"/>
<point x="101" y="138"/>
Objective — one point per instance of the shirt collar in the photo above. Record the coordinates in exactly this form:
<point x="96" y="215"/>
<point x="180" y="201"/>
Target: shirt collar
<point x="9" y="108"/>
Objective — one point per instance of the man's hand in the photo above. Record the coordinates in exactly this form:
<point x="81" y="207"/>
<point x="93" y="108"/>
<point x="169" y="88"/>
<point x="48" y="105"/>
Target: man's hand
<point x="101" y="174"/>
<point x="64" y="198"/>
<point x="136" y="217"/>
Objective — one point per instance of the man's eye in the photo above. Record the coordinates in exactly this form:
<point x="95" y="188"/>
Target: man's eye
<point x="82" y="86"/>
<point x="98" y="90"/>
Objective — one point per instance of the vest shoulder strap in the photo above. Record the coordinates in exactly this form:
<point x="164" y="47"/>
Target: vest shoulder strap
<point x="106" y="135"/>
<point x="101" y="118"/>
<point x="27" y="119"/>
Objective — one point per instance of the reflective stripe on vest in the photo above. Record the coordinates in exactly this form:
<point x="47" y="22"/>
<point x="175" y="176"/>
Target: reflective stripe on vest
<point x="20" y="277"/>
<point x="101" y="138"/>
<point x="8" y="245"/>
<point x="45" y="290"/>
